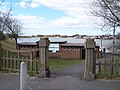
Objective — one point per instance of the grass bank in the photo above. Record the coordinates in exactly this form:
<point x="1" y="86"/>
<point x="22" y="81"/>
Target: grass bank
<point x="8" y="43"/>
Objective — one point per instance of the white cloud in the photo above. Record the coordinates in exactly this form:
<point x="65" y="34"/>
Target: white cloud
<point x="64" y="5"/>
<point x="39" y="25"/>
<point x="70" y="7"/>
<point x="34" y="5"/>
<point x="73" y="8"/>
<point x="31" y="21"/>
<point x="5" y="6"/>
<point x="69" y="21"/>
<point x="23" y="4"/>
<point x="76" y="18"/>
<point x="76" y="9"/>
<point x="41" y="22"/>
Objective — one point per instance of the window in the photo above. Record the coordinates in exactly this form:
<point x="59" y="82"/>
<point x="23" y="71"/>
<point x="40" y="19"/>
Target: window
<point x="69" y="48"/>
<point x="77" y="49"/>
<point x="64" y="48"/>
<point x="73" y="49"/>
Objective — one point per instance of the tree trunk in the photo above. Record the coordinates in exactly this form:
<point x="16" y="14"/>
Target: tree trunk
<point x="16" y="43"/>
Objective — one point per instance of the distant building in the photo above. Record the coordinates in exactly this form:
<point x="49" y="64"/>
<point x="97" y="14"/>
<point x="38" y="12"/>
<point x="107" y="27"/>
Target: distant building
<point x="66" y="50"/>
<point x="27" y="46"/>
<point x="72" y="51"/>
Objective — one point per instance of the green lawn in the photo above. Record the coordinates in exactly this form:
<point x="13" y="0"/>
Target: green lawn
<point x="56" y="64"/>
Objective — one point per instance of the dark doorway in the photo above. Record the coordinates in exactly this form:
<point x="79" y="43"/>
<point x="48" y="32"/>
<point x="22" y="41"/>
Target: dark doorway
<point x="83" y="53"/>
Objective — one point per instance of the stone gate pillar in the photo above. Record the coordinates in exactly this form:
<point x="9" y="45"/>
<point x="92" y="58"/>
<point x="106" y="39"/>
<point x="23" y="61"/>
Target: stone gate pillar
<point x="0" y="57"/>
<point x="89" y="59"/>
<point x="43" y="54"/>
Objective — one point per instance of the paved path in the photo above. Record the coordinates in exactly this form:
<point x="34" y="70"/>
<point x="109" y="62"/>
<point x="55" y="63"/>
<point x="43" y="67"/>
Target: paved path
<point x="65" y="79"/>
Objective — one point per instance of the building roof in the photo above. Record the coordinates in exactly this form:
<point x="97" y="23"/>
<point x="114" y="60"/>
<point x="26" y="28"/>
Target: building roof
<point x="58" y="42"/>
<point x="27" y="44"/>
<point x="35" y="43"/>
<point x="65" y="44"/>
<point x="73" y="44"/>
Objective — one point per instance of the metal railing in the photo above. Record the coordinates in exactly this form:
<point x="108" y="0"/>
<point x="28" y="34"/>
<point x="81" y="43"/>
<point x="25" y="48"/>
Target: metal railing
<point x="108" y="66"/>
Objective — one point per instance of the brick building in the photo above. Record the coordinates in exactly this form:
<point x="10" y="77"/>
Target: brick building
<point x="28" y="46"/>
<point x="74" y="51"/>
<point x="66" y="50"/>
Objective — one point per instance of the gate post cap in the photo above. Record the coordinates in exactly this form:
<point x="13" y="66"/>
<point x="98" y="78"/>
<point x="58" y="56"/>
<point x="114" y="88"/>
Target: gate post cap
<point x="44" y="42"/>
<point x="90" y="43"/>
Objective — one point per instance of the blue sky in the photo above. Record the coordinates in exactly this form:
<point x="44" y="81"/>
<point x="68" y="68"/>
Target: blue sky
<point x="65" y="17"/>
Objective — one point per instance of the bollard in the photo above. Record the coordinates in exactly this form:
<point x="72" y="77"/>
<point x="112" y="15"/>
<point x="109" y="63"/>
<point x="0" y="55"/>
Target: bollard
<point x="23" y="76"/>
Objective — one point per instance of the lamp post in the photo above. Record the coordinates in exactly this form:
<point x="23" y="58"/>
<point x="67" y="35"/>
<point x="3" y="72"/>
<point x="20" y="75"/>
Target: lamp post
<point x="101" y="38"/>
<point x="113" y="40"/>
<point x="113" y="48"/>
<point x="101" y="43"/>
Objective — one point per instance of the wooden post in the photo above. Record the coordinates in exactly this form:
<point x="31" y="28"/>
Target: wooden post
<point x="0" y="57"/>
<point x="23" y="76"/>
<point x="31" y="60"/>
<point x="31" y="55"/>
<point x="43" y="54"/>
<point x="90" y="59"/>
<point x="100" y="67"/>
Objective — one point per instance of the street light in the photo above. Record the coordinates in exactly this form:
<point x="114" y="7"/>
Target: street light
<point x="113" y="48"/>
<point x="101" y="45"/>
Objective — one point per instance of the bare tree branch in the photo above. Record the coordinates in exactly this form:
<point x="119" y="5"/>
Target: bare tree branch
<point x="108" y="10"/>
<point x="9" y="25"/>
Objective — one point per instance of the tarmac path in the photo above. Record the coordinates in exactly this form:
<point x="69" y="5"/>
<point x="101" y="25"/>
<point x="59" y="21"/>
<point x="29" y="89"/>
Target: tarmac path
<point x="68" y="78"/>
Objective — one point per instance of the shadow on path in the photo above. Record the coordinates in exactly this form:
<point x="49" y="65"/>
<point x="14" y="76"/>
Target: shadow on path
<point x="75" y="71"/>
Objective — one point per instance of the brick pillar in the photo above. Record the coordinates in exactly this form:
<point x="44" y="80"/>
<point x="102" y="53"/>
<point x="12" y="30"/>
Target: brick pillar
<point x="43" y="54"/>
<point x="89" y="59"/>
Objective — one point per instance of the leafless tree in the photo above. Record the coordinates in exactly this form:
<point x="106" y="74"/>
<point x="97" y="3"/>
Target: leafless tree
<point x="109" y="11"/>
<point x="14" y="27"/>
<point x="9" y="25"/>
<point x="1" y="2"/>
<point x="4" y="17"/>
<point x="2" y="36"/>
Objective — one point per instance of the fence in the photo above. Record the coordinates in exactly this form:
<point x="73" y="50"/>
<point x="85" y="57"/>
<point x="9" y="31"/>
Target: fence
<point x="11" y="60"/>
<point x="108" y="66"/>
